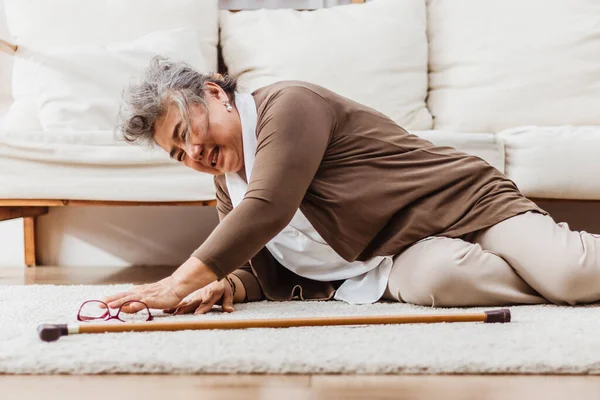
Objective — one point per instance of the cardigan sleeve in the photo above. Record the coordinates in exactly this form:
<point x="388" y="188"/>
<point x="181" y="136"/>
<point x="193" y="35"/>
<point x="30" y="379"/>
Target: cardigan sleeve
<point x="244" y="273"/>
<point x="294" y="128"/>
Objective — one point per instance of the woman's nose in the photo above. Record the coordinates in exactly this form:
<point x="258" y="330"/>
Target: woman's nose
<point x="194" y="151"/>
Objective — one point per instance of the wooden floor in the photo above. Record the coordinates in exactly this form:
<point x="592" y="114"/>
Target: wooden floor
<point x="169" y="387"/>
<point x="266" y="387"/>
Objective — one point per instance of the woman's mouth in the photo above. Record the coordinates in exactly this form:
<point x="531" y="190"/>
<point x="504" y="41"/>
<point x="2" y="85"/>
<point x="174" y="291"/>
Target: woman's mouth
<point x="215" y="157"/>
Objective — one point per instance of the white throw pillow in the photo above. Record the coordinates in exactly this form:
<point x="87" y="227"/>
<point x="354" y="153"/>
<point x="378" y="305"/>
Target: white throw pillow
<point x="52" y="27"/>
<point x="80" y="87"/>
<point x="373" y="53"/>
<point x="498" y="64"/>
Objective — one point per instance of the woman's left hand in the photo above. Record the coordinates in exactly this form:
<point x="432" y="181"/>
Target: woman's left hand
<point x="162" y="294"/>
<point x="168" y="292"/>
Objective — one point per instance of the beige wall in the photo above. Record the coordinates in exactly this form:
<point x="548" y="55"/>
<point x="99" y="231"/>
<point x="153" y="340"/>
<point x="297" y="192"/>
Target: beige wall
<point x="121" y="236"/>
<point x="11" y="243"/>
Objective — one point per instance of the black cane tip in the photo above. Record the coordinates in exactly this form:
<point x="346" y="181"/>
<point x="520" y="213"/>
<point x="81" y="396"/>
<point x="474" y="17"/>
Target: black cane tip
<point x="51" y="333"/>
<point x="501" y="316"/>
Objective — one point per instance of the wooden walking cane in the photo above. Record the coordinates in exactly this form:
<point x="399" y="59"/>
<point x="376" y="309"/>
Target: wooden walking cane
<point x="51" y="333"/>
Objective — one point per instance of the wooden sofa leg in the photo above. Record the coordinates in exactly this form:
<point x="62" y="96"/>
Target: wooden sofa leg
<point x="29" y="214"/>
<point x="29" y="230"/>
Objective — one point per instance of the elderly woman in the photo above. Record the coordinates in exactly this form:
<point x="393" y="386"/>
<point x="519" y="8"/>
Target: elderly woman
<point x="320" y="198"/>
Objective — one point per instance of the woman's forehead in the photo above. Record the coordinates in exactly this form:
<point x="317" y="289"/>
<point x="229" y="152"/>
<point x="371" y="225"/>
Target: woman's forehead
<point x="174" y="119"/>
<point x="166" y="123"/>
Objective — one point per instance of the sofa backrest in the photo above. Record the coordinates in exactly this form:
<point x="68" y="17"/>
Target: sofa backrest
<point x="373" y="53"/>
<point x="6" y="61"/>
<point x="64" y="45"/>
<point x="493" y="64"/>
<point x="497" y="64"/>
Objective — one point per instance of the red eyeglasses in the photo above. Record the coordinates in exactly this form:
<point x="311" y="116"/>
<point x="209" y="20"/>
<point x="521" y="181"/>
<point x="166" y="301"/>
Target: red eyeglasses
<point x="96" y="310"/>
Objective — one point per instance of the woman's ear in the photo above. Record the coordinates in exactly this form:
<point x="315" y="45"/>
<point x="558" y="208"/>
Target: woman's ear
<point x="215" y="91"/>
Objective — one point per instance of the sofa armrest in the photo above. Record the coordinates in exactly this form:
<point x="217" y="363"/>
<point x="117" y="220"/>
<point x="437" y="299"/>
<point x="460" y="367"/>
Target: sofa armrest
<point x="8" y="47"/>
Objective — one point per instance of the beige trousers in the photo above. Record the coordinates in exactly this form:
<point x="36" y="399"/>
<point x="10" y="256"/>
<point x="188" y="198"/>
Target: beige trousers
<point x="526" y="259"/>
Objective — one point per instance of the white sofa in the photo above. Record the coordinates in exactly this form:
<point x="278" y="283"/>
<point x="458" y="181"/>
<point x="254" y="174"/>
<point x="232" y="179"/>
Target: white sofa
<point x="515" y="82"/>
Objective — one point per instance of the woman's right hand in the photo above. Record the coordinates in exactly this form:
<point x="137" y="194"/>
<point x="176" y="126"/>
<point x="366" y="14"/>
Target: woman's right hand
<point x="203" y="300"/>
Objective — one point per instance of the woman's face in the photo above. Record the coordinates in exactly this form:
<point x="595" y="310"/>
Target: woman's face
<point x="214" y="144"/>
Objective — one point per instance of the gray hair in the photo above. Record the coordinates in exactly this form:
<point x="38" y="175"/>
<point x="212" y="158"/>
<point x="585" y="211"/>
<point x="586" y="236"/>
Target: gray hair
<point x="164" y="82"/>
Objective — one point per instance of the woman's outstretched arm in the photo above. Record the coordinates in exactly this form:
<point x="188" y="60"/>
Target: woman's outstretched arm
<point x="244" y="274"/>
<point x="294" y="129"/>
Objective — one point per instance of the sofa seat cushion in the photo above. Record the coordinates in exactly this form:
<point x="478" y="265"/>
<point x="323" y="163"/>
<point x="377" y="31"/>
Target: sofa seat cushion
<point x="483" y="145"/>
<point x="554" y="162"/>
<point x="69" y="165"/>
<point x="55" y="165"/>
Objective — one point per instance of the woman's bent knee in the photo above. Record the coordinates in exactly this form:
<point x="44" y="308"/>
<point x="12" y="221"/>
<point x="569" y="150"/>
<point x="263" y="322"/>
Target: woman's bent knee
<point x="459" y="274"/>
<point x="570" y="276"/>
<point x="573" y="284"/>
<point x="434" y="279"/>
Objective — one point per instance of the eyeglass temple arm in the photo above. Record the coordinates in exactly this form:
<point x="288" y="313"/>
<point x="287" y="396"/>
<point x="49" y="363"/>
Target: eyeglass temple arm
<point x="8" y="47"/>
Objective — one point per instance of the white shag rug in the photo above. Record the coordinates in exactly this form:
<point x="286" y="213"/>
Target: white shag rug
<point x="540" y="339"/>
